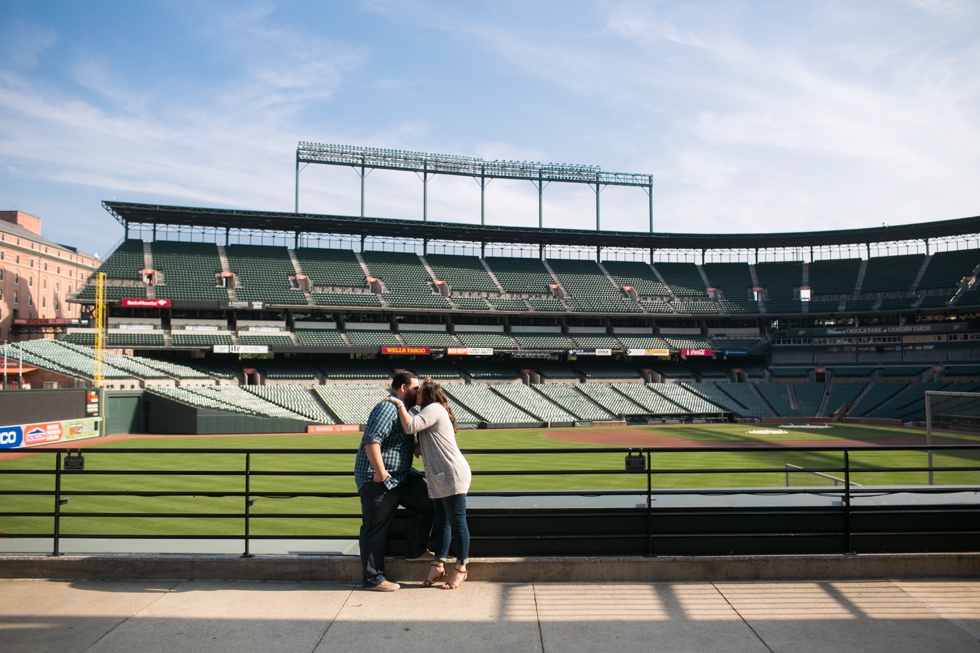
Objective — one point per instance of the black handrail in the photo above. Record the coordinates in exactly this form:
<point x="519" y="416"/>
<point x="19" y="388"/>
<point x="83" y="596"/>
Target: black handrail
<point x="248" y="495"/>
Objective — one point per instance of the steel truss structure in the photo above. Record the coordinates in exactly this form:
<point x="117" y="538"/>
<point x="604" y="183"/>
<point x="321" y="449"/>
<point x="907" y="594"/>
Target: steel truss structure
<point x="365" y="159"/>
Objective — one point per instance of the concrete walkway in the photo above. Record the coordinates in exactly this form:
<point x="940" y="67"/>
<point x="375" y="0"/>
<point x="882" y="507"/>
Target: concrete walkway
<point x="103" y="616"/>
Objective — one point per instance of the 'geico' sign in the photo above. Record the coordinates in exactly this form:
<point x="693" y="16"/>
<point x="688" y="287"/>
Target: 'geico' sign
<point x="11" y="436"/>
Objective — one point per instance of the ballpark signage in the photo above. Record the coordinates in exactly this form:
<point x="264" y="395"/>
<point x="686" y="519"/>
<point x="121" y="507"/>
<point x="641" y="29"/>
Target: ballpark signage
<point x="34" y="435"/>
<point x="695" y="352"/>
<point x="241" y="349"/>
<point x="333" y="428"/>
<point x="469" y="351"/>
<point x="406" y="350"/>
<point x="136" y="302"/>
<point x="648" y="352"/>
<point x="590" y="352"/>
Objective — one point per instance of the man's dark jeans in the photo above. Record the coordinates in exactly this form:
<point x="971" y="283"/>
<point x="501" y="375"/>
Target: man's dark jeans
<point x="378" y="505"/>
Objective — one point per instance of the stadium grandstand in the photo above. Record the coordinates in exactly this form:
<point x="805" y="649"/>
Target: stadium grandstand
<point x="304" y="317"/>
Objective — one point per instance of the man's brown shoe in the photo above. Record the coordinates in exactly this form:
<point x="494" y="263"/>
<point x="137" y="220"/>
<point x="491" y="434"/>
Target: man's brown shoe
<point x="384" y="586"/>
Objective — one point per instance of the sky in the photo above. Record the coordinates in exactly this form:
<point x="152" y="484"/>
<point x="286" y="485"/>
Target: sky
<point x="752" y="117"/>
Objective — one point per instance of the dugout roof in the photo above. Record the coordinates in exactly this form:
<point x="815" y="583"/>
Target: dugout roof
<point x="154" y="214"/>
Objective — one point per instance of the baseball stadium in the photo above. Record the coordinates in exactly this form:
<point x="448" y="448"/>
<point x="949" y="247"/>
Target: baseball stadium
<point x="770" y="392"/>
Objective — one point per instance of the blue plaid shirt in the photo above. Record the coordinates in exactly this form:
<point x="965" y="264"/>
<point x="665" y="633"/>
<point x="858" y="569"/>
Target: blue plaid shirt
<point x="397" y="447"/>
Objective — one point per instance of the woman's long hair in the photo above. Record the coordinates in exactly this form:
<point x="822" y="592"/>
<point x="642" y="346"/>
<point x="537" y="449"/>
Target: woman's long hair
<point x="431" y="392"/>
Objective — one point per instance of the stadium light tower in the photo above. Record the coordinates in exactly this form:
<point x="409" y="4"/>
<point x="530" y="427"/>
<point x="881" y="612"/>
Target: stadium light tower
<point x="365" y="159"/>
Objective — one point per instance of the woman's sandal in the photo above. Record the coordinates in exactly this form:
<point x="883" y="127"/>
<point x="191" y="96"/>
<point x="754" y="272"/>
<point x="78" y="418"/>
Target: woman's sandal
<point x="458" y="577"/>
<point x="437" y="571"/>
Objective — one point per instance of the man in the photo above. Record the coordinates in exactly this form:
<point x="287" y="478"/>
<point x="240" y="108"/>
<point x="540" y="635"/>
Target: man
<point x="385" y="479"/>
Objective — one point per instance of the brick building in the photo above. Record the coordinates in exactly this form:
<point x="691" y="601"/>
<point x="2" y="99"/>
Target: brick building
<point x="36" y="275"/>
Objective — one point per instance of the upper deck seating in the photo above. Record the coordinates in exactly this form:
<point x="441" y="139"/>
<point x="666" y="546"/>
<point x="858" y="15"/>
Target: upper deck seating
<point x="891" y="273"/>
<point x="947" y="269"/>
<point x="834" y="276"/>
<point x="405" y="278"/>
<point x="781" y="279"/>
<point x="461" y="273"/>
<point x="331" y="268"/>
<point x="264" y="273"/>
<point x="589" y="289"/>
<point x="682" y="278"/>
<point x="733" y="279"/>
<point x="126" y="262"/>
<point x="640" y="276"/>
<point x="521" y="275"/>
<point x="189" y="271"/>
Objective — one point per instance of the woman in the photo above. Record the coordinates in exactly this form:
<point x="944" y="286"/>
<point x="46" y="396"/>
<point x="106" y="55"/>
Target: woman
<point x="448" y="475"/>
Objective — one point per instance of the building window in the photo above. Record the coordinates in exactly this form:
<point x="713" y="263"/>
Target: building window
<point x="16" y="279"/>
<point x="57" y="287"/>
<point x="30" y="300"/>
<point x="57" y="269"/>
<point x="32" y="262"/>
<point x="30" y="281"/>
<point x="44" y="284"/>
<point x="44" y="301"/>
<point x="17" y="258"/>
<point x="16" y="297"/>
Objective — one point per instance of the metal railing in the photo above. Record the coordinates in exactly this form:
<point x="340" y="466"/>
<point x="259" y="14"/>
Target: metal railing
<point x="239" y="479"/>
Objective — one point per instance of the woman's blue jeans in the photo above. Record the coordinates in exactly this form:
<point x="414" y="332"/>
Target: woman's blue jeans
<point x="448" y="523"/>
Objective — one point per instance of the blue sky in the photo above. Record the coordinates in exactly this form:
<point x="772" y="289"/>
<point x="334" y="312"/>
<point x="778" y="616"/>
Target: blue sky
<point x="751" y="116"/>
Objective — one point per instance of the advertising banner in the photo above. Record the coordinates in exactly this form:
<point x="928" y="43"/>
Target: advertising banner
<point x="695" y="352"/>
<point x="241" y="349"/>
<point x="469" y="351"/>
<point x="35" y="435"/>
<point x="590" y="352"/>
<point x="333" y="428"/>
<point x="648" y="352"/>
<point x="137" y="302"/>
<point x="418" y="351"/>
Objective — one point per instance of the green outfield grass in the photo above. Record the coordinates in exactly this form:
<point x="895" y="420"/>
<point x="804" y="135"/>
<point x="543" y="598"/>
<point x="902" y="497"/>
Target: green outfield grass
<point x="300" y="472"/>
